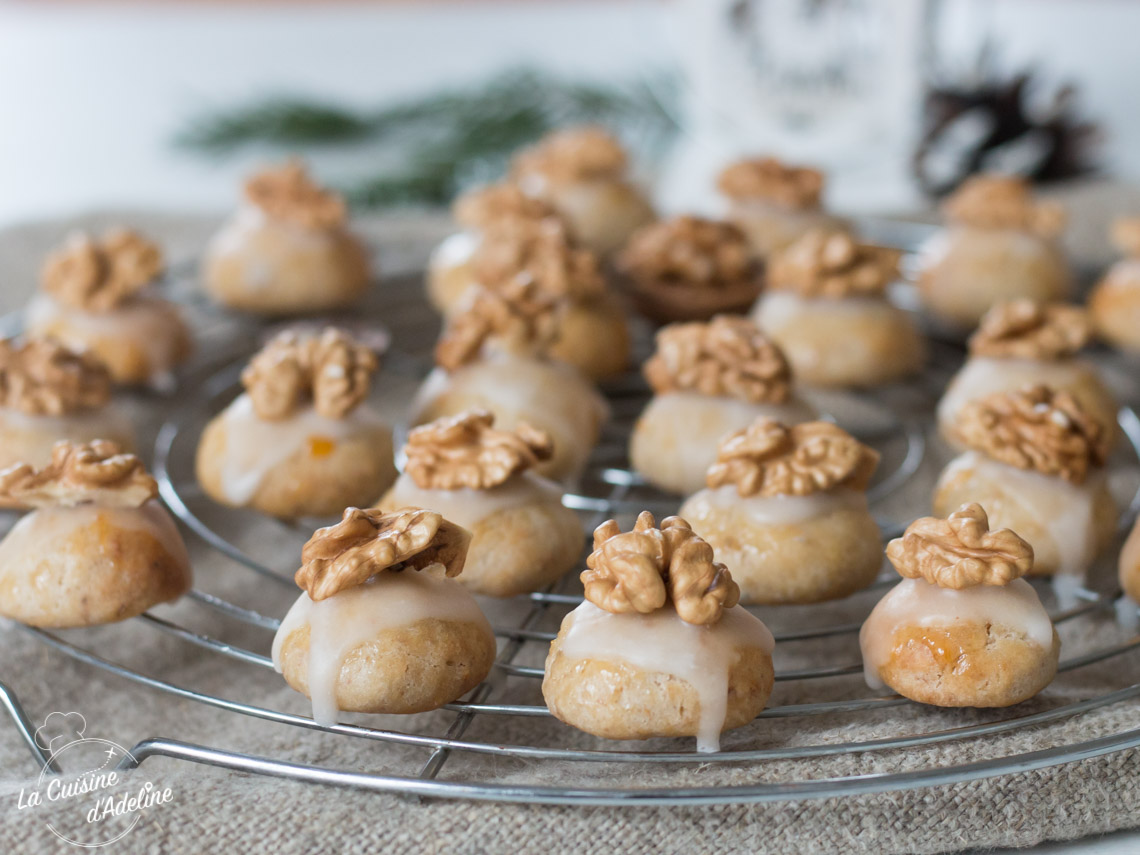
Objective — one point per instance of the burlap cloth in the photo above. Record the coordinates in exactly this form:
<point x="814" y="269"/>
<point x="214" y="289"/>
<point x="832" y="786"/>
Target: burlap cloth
<point x="219" y="811"/>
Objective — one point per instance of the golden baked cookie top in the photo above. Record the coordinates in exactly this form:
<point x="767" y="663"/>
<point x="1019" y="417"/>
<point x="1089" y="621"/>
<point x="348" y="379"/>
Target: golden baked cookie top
<point x="367" y="542"/>
<point x="649" y="568"/>
<point x="575" y="154"/>
<point x="689" y="252"/>
<point x="287" y="193"/>
<point x="833" y="264"/>
<point x="331" y="370"/>
<point x="1035" y="428"/>
<point x="1126" y="235"/>
<point x="1028" y="329"/>
<point x="768" y="458"/>
<point x="42" y="377"/>
<point x="725" y="357"/>
<point x="539" y="250"/>
<point x="1003" y="202"/>
<point x="98" y="275"/>
<point x="960" y="551"/>
<point x="518" y="318"/>
<point x="466" y="452"/>
<point x="494" y="203"/>
<point x="768" y="179"/>
<point x="79" y="474"/>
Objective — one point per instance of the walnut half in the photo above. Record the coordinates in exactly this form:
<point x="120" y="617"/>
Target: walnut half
<point x="78" y="474"/>
<point x="98" y="275"/>
<point x="588" y="153"/>
<point x="516" y="318"/>
<point x="288" y="194"/>
<point x="641" y="570"/>
<point x="960" y="551"/>
<point x="42" y="377"/>
<point x="367" y="542"/>
<point x="1035" y="428"/>
<point x="768" y="179"/>
<point x="464" y="451"/>
<point x="1027" y="329"/>
<point x="725" y="357"/>
<point x="331" y="369"/>
<point x="1003" y="202"/>
<point x="770" y="459"/>
<point x="832" y="264"/>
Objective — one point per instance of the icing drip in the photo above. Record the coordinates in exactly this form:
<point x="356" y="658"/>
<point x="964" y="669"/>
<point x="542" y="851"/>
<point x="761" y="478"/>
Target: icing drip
<point x="661" y="642"/>
<point x="915" y="602"/>
<point x="56" y="525"/>
<point x="1064" y="510"/>
<point x="468" y="507"/>
<point x="247" y="237"/>
<point x="355" y="616"/>
<point x="144" y="320"/>
<point x="254" y="446"/>
<point x="772" y="510"/>
<point x="455" y="250"/>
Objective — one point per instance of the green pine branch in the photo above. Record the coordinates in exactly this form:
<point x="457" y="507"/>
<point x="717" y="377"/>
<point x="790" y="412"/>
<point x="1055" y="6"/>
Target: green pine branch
<point x="440" y="143"/>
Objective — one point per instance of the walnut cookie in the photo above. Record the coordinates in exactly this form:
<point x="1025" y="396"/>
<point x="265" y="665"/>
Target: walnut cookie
<point x="826" y="307"/>
<point x="999" y="243"/>
<point x="501" y="207"/>
<point x="1035" y="460"/>
<point x="581" y="172"/>
<point x="1115" y="302"/>
<point x="288" y="249"/>
<point x="302" y="439"/>
<point x="623" y="666"/>
<point x="95" y="297"/>
<point x="785" y="509"/>
<point x="495" y="356"/>
<point x="48" y="393"/>
<point x="381" y="625"/>
<point x="522" y="538"/>
<point x="774" y="203"/>
<point x="1023" y="343"/>
<point x="962" y="629"/>
<point x="98" y="548"/>
<point x="709" y="379"/>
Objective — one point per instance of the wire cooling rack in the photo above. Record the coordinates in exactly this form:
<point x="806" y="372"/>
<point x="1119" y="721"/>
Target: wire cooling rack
<point x="894" y="420"/>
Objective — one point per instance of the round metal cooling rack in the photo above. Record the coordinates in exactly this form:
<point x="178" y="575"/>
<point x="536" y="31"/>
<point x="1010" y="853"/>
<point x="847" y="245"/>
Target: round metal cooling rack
<point x="609" y="488"/>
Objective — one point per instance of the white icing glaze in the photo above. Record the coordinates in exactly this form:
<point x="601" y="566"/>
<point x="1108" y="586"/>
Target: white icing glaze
<point x="455" y="250"/>
<point x="44" y="526"/>
<point x="467" y="507"/>
<point x="1065" y="510"/>
<point x="986" y="375"/>
<point x="144" y="320"/>
<point x="915" y="602"/>
<point x="105" y="423"/>
<point x="253" y="446"/>
<point x="246" y="234"/>
<point x="662" y="643"/>
<point x="357" y="615"/>
<point x="773" y="510"/>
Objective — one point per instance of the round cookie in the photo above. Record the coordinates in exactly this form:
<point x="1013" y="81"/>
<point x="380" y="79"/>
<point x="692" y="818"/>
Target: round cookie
<point x="593" y="336"/>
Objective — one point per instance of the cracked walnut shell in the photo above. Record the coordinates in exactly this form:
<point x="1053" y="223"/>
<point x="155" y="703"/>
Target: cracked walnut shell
<point x="960" y="551"/>
<point x="287" y="193"/>
<point x="42" y="377"/>
<point x="1035" y="428"/>
<point x="367" y="542"/>
<point x="465" y="452"/>
<point x="641" y="570"/>
<point x="331" y="369"/>
<point x="725" y="357"/>
<point x="832" y="264"/>
<point x="1028" y="329"/>
<point x="89" y="473"/>
<point x="98" y="275"/>
<point x="770" y="459"/>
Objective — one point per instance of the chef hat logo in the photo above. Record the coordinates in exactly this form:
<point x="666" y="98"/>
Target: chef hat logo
<point x="59" y="729"/>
